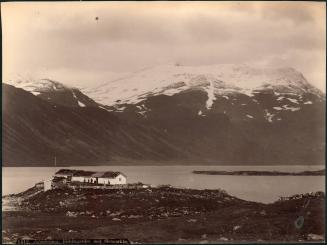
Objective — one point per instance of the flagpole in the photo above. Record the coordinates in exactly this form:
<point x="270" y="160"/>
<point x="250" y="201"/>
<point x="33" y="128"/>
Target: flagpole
<point x="55" y="162"/>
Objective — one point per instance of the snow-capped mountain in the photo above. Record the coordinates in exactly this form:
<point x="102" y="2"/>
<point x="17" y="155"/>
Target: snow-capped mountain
<point x="224" y="114"/>
<point x="230" y="89"/>
<point x="52" y="91"/>
<point x="215" y="80"/>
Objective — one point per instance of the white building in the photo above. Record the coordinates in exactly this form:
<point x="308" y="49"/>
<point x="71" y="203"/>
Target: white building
<point x="110" y="178"/>
<point x="101" y="178"/>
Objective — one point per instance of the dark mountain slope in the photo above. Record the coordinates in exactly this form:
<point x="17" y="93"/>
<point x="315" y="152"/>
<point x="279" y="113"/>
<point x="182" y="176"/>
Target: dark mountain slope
<point x="239" y="129"/>
<point x="34" y="131"/>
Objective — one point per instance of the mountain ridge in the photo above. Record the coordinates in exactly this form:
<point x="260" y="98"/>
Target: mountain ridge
<point x="216" y="79"/>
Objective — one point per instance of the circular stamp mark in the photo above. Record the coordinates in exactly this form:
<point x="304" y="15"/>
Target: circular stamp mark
<point x="299" y="222"/>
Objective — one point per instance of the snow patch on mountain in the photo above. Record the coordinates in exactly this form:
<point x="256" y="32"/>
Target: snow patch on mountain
<point x="286" y="107"/>
<point x="104" y="108"/>
<point x="293" y="100"/>
<point x="120" y="109"/>
<point x="81" y="104"/>
<point x="141" y="109"/>
<point x="211" y="95"/>
<point x="143" y="113"/>
<point x="269" y="116"/>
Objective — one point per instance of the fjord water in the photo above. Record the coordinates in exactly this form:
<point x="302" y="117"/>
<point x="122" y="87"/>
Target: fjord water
<point x="264" y="189"/>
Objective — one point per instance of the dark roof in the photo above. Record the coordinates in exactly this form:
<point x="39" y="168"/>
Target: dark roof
<point x="107" y="174"/>
<point x="83" y="173"/>
<point x="74" y="172"/>
<point x="66" y="171"/>
<point x="58" y="179"/>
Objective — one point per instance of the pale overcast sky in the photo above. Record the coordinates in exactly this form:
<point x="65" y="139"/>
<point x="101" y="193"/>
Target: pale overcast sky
<point x="80" y="43"/>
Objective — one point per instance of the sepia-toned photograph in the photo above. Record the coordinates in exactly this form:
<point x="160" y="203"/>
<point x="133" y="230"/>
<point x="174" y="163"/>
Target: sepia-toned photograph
<point x="163" y="122"/>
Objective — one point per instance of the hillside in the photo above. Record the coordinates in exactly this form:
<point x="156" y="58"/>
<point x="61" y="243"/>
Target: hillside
<point x="173" y="215"/>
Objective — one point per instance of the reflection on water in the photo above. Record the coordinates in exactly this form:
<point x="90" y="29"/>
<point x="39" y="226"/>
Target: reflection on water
<point x="255" y="188"/>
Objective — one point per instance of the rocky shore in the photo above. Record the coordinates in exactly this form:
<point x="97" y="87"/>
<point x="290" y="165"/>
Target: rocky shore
<point x="163" y="214"/>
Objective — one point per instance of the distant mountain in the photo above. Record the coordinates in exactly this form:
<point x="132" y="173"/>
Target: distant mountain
<point x="54" y="92"/>
<point x="224" y="114"/>
<point x="215" y="80"/>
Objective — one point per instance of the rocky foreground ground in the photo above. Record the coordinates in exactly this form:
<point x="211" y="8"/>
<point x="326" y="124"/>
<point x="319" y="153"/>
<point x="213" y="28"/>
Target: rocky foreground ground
<point x="163" y="214"/>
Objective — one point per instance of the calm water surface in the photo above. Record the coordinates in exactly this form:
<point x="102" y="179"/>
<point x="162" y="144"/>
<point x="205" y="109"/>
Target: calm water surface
<point x="255" y="188"/>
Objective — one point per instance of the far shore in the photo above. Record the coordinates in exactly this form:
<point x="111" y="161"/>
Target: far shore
<point x="263" y="173"/>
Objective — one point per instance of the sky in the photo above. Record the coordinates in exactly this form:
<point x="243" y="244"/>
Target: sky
<point x="81" y="43"/>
